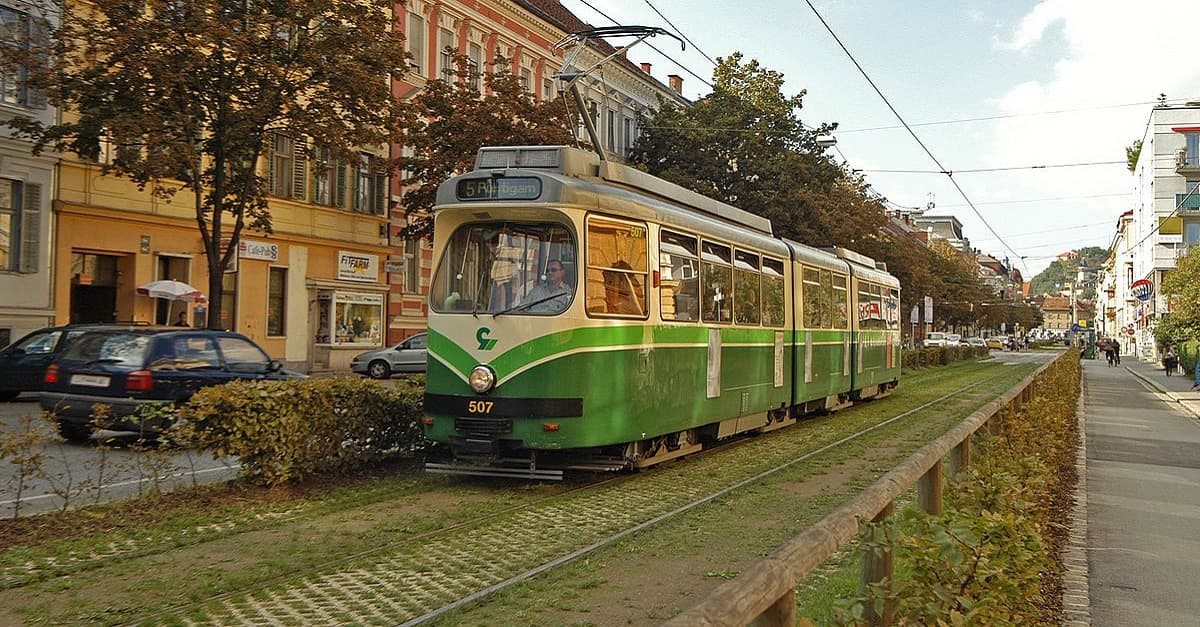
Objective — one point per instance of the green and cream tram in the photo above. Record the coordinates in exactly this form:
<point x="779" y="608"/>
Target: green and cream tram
<point x="584" y="314"/>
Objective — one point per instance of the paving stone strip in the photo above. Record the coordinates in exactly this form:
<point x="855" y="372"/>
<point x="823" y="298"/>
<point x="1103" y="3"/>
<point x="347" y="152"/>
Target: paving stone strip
<point x="420" y="577"/>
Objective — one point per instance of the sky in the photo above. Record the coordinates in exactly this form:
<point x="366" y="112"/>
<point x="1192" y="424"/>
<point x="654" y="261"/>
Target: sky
<point x="1046" y="94"/>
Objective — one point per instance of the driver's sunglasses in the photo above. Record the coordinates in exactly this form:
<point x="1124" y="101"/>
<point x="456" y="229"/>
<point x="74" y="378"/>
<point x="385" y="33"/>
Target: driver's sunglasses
<point x="553" y="269"/>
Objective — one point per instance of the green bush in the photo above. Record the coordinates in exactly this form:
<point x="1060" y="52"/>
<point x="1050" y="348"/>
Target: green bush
<point x="289" y="430"/>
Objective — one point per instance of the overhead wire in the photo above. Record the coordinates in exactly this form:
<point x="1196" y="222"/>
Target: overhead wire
<point x="911" y="132"/>
<point x="652" y="46"/>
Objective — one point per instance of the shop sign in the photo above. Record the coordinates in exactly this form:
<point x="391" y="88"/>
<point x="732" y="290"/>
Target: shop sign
<point x="358" y="298"/>
<point x="263" y="251"/>
<point x="358" y="267"/>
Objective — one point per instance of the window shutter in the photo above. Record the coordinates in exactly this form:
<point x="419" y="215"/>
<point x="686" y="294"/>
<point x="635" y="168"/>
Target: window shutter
<point x="339" y="189"/>
<point x="272" y="168"/>
<point x="380" y="200"/>
<point x="299" y="168"/>
<point x="31" y="224"/>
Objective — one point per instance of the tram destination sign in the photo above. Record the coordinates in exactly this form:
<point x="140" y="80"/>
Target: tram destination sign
<point x="502" y="188"/>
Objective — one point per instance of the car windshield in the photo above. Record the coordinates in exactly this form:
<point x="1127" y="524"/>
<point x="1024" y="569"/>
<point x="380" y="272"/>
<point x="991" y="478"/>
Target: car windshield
<point x="934" y="336"/>
<point x="113" y="348"/>
<point x="502" y="267"/>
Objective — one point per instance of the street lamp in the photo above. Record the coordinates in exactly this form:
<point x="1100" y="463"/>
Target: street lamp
<point x="826" y="140"/>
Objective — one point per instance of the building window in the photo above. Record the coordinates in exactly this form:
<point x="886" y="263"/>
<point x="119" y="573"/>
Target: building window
<point x="626" y="133"/>
<point x="611" y="130"/>
<point x="370" y="186"/>
<point x="475" y="54"/>
<point x="20" y="225"/>
<point x="412" y="265"/>
<point x="329" y="179"/>
<point x="1191" y="233"/>
<point x="276" y="301"/>
<point x="229" y="301"/>
<point x="18" y="29"/>
<point x="547" y="90"/>
<point x="416" y="41"/>
<point x="526" y="79"/>
<point x="1192" y="143"/>
<point x="446" y="50"/>
<point x="279" y="181"/>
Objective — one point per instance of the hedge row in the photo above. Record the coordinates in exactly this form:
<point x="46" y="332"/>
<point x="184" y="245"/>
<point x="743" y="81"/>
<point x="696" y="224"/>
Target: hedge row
<point x="939" y="356"/>
<point x="994" y="556"/>
<point x="293" y="429"/>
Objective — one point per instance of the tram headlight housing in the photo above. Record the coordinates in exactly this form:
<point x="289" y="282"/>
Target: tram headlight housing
<point x="482" y="379"/>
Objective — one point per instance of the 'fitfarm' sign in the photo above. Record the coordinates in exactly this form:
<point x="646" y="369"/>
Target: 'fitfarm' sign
<point x="359" y="267"/>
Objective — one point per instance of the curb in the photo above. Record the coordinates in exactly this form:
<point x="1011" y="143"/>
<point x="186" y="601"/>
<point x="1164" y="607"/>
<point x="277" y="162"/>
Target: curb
<point x="1191" y="405"/>
<point x="1076" y="597"/>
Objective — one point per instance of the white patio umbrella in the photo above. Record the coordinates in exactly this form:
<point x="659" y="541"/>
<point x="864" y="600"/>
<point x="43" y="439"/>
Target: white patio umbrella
<point x="172" y="291"/>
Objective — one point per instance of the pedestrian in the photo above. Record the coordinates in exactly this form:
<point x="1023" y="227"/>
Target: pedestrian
<point x="181" y="321"/>
<point x="1196" y="383"/>
<point x="1170" y="360"/>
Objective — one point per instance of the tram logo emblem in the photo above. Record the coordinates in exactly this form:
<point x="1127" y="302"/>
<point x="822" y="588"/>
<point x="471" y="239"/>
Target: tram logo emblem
<point x="485" y="344"/>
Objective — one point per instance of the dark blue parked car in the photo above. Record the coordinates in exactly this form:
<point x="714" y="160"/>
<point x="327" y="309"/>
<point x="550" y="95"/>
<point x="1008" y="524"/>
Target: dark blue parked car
<point x="132" y="368"/>
<point x="23" y="363"/>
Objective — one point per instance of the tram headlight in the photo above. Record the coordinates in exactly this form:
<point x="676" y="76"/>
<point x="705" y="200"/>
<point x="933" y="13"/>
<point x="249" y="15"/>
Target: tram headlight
<point x="482" y="379"/>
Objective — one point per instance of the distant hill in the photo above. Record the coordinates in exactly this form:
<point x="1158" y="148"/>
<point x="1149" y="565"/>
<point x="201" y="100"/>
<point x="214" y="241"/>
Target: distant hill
<point x="1061" y="271"/>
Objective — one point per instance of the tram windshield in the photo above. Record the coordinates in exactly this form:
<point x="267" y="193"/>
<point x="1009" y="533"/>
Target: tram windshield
<point x="506" y="268"/>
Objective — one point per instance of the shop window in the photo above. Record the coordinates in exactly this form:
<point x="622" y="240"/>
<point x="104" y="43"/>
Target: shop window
<point x="276" y="301"/>
<point x="716" y="277"/>
<point x="350" y="318"/>
<point x="679" y="274"/>
<point x="616" y="268"/>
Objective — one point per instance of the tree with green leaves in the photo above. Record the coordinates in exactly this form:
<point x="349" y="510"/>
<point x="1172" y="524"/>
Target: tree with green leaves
<point x="743" y="144"/>
<point x="450" y="119"/>
<point x="1182" y="286"/>
<point x="188" y="96"/>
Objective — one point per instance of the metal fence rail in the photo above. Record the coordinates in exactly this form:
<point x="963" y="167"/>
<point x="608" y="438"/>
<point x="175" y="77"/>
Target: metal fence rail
<point x="765" y="594"/>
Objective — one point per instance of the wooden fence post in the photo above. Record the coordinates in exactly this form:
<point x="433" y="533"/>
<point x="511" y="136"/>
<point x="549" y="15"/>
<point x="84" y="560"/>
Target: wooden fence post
<point x="929" y="491"/>
<point x="960" y="456"/>
<point x="876" y="567"/>
<point x="781" y="614"/>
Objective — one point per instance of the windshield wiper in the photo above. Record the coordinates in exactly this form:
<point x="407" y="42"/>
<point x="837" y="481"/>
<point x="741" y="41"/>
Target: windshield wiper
<point x="528" y="305"/>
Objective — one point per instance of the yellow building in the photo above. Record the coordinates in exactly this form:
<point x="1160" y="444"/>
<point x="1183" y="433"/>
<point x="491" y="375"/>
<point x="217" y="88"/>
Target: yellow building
<point x="312" y="294"/>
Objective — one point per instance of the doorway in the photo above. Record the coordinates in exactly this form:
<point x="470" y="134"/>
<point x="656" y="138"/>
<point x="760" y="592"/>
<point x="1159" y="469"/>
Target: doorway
<point x="170" y="269"/>
<point x="93" y="288"/>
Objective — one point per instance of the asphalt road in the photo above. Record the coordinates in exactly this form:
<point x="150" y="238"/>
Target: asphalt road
<point x="91" y="473"/>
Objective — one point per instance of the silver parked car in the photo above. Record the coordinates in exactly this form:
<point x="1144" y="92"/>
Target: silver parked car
<point x="407" y="356"/>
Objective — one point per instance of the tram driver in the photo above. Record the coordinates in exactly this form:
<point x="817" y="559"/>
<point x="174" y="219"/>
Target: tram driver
<point x="550" y="296"/>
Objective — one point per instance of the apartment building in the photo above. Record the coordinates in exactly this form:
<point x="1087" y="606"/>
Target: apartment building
<point x="26" y="190"/>
<point x="524" y="32"/>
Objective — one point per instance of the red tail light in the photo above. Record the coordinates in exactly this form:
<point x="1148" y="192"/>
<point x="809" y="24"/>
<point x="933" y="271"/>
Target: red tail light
<point x="139" y="381"/>
<point x="51" y="374"/>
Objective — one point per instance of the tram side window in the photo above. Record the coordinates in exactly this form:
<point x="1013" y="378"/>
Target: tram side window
<point x="616" y="268"/>
<point x="772" y="292"/>
<point x="746" y="287"/>
<point x="826" y="299"/>
<point x="891" y="309"/>
<point x="812" y="298"/>
<point x="841" y="315"/>
<point x="870" y="309"/>
<point x="678" y="267"/>
<point x="716" y="275"/>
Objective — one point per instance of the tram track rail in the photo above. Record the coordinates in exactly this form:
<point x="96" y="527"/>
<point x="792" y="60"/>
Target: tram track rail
<point x="422" y="578"/>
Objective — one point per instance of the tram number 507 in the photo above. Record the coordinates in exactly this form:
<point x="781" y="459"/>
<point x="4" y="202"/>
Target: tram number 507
<point x="480" y="407"/>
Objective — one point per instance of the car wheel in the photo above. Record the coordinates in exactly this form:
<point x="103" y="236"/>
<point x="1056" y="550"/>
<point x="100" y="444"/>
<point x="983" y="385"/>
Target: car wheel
<point x="379" y="369"/>
<point x="73" y="432"/>
<point x="8" y="395"/>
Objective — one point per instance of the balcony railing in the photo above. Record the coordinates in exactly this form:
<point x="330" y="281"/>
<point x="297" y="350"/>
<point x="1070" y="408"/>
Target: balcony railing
<point x="1187" y="163"/>
<point x="1187" y="202"/>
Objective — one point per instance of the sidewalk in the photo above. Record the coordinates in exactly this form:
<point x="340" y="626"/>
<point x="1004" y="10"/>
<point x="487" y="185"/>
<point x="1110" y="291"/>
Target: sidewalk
<point x="1177" y="387"/>
<point x="1142" y="500"/>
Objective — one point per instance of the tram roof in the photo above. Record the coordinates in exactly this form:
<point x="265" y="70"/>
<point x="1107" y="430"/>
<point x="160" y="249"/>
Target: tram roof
<point x="573" y="162"/>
